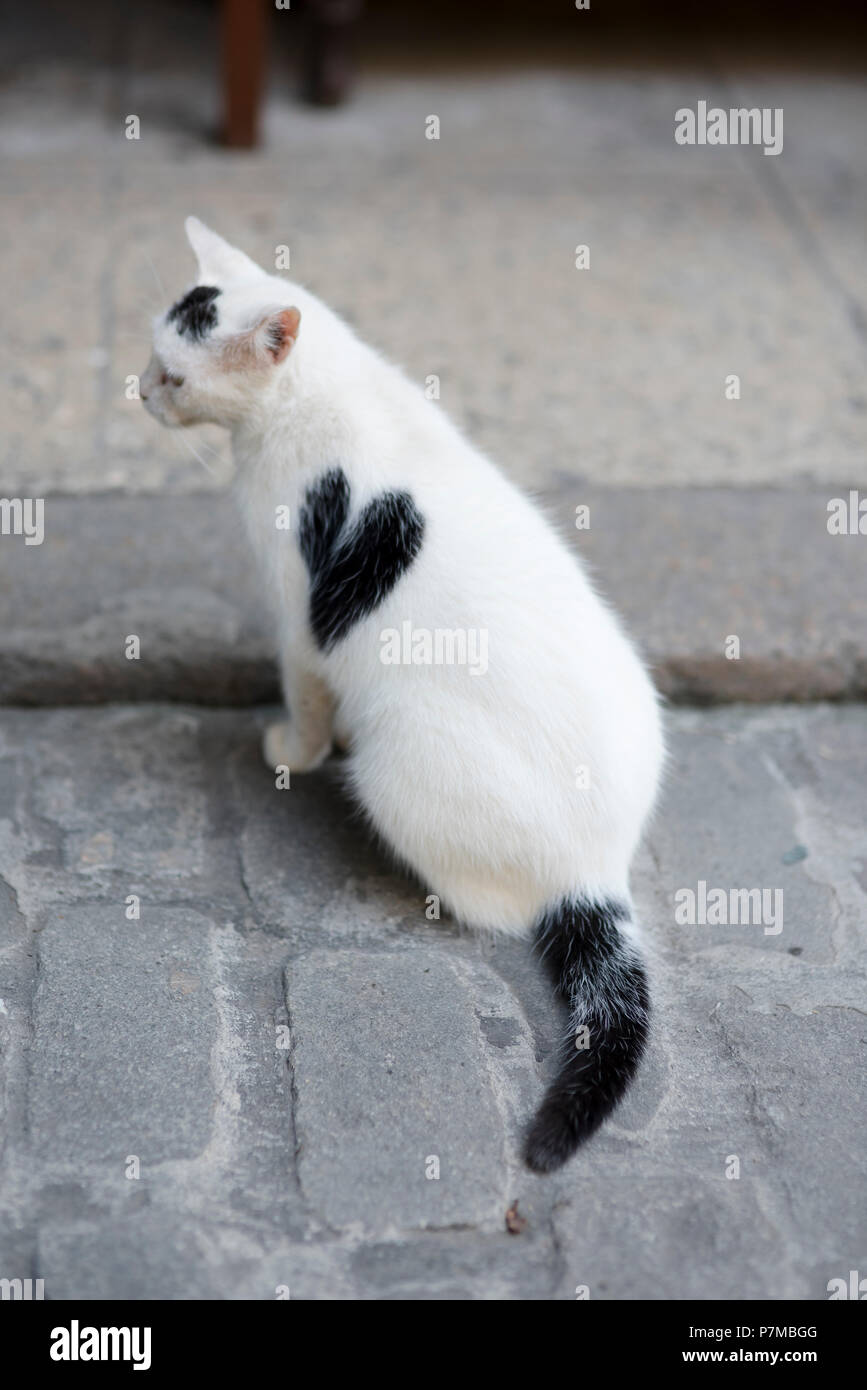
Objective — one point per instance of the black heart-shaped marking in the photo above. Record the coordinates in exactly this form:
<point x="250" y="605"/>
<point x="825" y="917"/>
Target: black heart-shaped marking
<point x="353" y="568"/>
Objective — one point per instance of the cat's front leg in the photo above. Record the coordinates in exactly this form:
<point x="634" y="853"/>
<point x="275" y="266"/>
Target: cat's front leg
<point x="304" y="740"/>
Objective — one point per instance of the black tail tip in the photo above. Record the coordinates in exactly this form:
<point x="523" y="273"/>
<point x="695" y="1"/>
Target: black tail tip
<point x="554" y="1135"/>
<point x="599" y="976"/>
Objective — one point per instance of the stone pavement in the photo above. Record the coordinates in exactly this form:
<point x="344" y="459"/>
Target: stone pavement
<point x="289" y="1048"/>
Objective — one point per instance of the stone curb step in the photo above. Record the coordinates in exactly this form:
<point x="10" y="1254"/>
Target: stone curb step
<point x="689" y="569"/>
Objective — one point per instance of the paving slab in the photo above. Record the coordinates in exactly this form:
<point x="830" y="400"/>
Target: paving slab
<point x="378" y="1130"/>
<point x="156" y="997"/>
<point x="284" y="1040"/>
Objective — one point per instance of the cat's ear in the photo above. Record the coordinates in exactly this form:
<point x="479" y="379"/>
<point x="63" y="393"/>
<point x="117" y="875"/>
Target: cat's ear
<point x="270" y="341"/>
<point x="219" y="263"/>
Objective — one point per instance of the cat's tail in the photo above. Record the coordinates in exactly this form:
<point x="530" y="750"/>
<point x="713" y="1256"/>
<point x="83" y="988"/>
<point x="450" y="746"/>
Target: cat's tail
<point x="599" y="975"/>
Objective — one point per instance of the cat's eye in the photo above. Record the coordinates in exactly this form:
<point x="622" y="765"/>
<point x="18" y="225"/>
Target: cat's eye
<point x="169" y="378"/>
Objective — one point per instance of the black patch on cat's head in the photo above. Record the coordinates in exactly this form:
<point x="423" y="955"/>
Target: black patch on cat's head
<point x="195" y="314"/>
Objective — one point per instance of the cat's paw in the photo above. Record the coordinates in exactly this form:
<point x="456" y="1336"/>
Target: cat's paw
<point x="281" y="747"/>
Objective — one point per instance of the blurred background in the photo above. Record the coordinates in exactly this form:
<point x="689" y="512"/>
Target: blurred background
<point x="456" y="256"/>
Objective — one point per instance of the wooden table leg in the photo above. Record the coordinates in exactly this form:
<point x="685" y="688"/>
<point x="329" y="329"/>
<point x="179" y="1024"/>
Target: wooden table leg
<point x="242" y="41"/>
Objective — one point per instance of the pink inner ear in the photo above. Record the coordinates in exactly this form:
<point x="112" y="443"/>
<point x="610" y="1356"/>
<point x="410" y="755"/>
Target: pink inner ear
<point x="273" y="337"/>
<point x="282" y="332"/>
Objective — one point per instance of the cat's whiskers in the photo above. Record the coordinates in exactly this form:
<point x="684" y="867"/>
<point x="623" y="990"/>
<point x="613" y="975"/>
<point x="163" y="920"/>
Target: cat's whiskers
<point x="207" y="467"/>
<point x="155" y="275"/>
<point x="220" y="457"/>
<point x="216" y="452"/>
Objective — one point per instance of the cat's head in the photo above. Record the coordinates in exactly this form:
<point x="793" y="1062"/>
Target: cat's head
<point x="217" y="349"/>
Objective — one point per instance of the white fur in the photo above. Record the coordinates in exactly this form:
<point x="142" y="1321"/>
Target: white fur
<point x="471" y="779"/>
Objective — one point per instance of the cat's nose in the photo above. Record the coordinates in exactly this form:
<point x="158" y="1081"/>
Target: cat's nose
<point x="144" y="395"/>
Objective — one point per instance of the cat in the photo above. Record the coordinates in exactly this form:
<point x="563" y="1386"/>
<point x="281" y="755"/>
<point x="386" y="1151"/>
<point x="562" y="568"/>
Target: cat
<point x="517" y="793"/>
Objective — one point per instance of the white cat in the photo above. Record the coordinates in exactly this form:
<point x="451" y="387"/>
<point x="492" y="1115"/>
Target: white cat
<point x="517" y="788"/>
